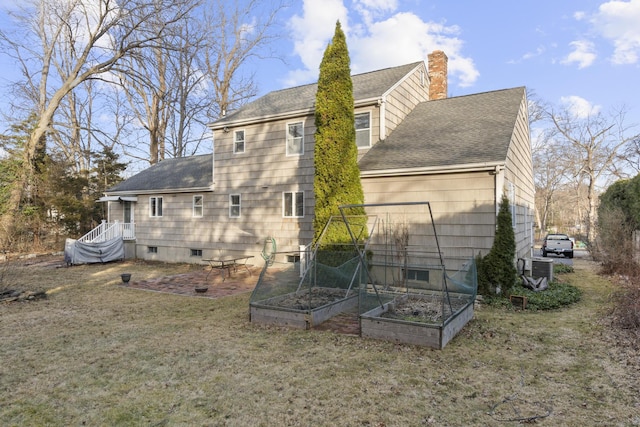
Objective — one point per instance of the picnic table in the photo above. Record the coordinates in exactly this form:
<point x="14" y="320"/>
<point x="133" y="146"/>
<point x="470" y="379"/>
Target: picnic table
<point x="228" y="263"/>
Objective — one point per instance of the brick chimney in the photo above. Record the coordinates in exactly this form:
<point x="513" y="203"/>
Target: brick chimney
<point x="437" y="62"/>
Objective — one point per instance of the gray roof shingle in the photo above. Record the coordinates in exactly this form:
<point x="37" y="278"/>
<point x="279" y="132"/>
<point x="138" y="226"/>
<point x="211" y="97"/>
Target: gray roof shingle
<point x="453" y="131"/>
<point x="365" y="86"/>
<point x="170" y="174"/>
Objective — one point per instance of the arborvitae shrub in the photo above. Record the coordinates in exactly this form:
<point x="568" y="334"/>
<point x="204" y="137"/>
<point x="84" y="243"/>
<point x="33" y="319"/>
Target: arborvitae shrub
<point x="337" y="176"/>
<point x="497" y="270"/>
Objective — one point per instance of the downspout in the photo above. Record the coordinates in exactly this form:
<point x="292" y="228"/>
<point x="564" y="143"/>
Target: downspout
<point x="498" y="172"/>
<point x="213" y="157"/>
<point x="382" y="102"/>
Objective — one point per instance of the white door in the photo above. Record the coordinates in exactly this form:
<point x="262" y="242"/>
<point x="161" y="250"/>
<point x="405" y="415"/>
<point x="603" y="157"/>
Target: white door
<point x="128" y="220"/>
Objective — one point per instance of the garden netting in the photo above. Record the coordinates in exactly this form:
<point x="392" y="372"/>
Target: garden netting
<point x="390" y="251"/>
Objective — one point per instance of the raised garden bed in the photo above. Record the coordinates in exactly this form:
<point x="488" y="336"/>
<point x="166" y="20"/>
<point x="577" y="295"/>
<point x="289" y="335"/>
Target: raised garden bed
<point x="303" y="309"/>
<point x="416" y="319"/>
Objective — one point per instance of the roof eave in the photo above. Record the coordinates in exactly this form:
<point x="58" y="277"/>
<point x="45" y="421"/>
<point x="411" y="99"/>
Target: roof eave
<point x="260" y="119"/>
<point x="287" y="115"/>
<point x="159" y="191"/>
<point x="432" y="170"/>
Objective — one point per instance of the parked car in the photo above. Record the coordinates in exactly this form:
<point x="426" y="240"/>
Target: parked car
<point x="557" y="244"/>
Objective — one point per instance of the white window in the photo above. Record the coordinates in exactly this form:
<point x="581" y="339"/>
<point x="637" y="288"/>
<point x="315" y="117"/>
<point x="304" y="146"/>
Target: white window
<point x="196" y="252"/>
<point x="363" y="130"/>
<point x="198" y="206"/>
<point x="155" y="206"/>
<point x="234" y="205"/>
<point x="238" y="141"/>
<point x="417" y="275"/>
<point x="293" y="204"/>
<point x="295" y="139"/>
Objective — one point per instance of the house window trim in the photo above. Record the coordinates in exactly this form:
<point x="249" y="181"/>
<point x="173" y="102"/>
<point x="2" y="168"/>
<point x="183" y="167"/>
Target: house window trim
<point x="232" y="205"/>
<point x="195" y="253"/>
<point x="293" y="204"/>
<point x="412" y="273"/>
<point x="194" y="206"/>
<point x="369" y="129"/>
<point x="235" y="141"/>
<point x="289" y="154"/>
<point x="153" y="213"/>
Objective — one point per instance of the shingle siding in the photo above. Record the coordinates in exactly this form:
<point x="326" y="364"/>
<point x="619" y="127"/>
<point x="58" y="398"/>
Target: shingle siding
<point x="463" y="206"/>
<point x="403" y="99"/>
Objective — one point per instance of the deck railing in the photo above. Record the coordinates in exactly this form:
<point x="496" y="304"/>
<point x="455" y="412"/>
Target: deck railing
<point x="110" y="230"/>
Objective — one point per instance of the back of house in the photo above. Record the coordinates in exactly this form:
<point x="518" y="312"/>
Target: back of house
<point x="414" y="144"/>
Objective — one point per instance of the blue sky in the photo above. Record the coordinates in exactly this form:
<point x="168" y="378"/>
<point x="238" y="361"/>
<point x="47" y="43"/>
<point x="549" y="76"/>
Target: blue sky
<point x="582" y="52"/>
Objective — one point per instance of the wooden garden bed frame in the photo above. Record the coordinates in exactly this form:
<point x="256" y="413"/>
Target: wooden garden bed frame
<point x="373" y="325"/>
<point x="267" y="312"/>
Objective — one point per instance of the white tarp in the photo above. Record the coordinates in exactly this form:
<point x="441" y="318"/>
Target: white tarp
<point x="88" y="253"/>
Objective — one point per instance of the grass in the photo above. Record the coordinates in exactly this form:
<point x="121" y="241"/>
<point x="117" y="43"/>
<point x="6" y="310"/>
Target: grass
<point x="94" y="353"/>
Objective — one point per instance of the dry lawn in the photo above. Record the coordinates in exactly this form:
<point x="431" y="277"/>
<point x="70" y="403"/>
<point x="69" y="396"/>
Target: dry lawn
<point x="95" y="353"/>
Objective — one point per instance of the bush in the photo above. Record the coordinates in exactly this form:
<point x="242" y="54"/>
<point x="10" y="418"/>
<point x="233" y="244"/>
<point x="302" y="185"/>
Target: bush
<point x="626" y="307"/>
<point x="558" y="295"/>
<point x="497" y="269"/>
<point x="615" y="243"/>
<point x="618" y="218"/>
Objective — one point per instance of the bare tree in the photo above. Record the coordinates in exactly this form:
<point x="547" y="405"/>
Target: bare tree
<point x="144" y="79"/>
<point x="591" y="145"/>
<point x="201" y="69"/>
<point x="160" y="86"/>
<point x="236" y="33"/>
<point x="546" y="176"/>
<point x="60" y="45"/>
<point x="549" y="177"/>
<point x="631" y="158"/>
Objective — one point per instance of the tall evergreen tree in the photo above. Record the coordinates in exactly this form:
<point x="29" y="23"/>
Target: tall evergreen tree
<point x="22" y="223"/>
<point x="337" y="176"/>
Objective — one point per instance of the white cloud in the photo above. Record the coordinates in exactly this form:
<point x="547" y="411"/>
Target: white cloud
<point x="583" y="53"/>
<point x="579" y="107"/>
<point x="618" y="21"/>
<point x="372" y="9"/>
<point x="529" y="55"/>
<point x="386" y="5"/>
<point x="539" y="51"/>
<point x="311" y="33"/>
<point x="579" y="15"/>
<point x="378" y="36"/>
<point x="384" y="44"/>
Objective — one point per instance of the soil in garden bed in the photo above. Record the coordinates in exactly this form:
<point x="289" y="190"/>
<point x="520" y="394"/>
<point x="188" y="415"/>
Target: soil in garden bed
<point x="347" y="323"/>
<point x="312" y="299"/>
<point x="424" y="308"/>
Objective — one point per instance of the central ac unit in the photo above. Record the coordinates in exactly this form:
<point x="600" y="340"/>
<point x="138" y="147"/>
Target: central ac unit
<point x="542" y="267"/>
